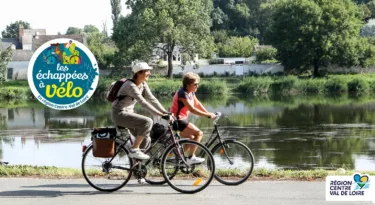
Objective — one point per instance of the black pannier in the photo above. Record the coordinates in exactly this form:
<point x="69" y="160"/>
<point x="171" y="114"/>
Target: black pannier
<point x="156" y="131"/>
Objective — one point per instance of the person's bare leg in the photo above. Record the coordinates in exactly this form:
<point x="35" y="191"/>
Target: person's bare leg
<point x="188" y="132"/>
<point x="137" y="142"/>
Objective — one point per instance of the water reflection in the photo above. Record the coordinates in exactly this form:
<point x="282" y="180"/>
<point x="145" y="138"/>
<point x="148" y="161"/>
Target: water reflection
<point x="283" y="132"/>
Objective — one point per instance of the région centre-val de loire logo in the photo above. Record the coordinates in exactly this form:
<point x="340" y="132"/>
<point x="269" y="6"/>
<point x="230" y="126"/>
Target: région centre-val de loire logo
<point x="63" y="74"/>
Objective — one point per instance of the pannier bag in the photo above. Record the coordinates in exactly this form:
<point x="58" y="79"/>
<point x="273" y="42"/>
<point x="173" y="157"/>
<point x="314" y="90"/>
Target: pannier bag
<point x="103" y="141"/>
<point x="156" y="132"/>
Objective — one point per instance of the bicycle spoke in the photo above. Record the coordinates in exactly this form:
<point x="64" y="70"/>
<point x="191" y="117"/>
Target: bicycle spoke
<point x="234" y="162"/>
<point x="188" y="177"/>
<point x="105" y="174"/>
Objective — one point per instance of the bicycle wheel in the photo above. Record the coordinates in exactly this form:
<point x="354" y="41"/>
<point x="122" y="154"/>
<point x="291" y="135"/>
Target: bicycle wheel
<point x="154" y="173"/>
<point x="104" y="175"/>
<point x="234" y="162"/>
<point x="189" y="178"/>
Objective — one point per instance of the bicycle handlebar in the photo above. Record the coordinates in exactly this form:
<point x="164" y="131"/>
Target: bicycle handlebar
<point x="171" y="116"/>
<point x="218" y="116"/>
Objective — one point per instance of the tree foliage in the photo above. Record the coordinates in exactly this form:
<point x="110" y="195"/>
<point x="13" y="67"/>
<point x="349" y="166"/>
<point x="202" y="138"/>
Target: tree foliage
<point x="238" y="47"/>
<point x="5" y="57"/>
<point x="12" y="30"/>
<point x="73" y="30"/>
<point x="315" y="33"/>
<point x="90" y="29"/>
<point x="166" y="24"/>
<point x="233" y="16"/>
<point x="98" y="43"/>
<point x="101" y="48"/>
<point x="116" y="11"/>
<point x="266" y="54"/>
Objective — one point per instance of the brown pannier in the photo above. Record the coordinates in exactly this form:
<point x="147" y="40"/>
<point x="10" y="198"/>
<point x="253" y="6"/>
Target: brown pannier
<point x="103" y="141"/>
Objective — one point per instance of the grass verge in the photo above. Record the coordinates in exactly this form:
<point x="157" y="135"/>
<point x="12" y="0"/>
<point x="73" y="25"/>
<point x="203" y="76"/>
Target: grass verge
<point x="258" y="174"/>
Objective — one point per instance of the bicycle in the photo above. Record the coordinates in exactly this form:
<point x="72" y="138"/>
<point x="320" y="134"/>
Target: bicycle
<point x="111" y="174"/>
<point x="231" y="156"/>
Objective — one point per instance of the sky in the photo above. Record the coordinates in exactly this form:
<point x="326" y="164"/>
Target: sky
<point x="58" y="15"/>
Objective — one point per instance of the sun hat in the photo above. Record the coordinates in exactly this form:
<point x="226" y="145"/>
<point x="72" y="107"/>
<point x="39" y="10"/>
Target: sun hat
<point x="140" y="66"/>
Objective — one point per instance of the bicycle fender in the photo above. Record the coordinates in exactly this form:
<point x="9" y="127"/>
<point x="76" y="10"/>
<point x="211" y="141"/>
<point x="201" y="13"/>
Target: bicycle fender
<point x="185" y="140"/>
<point x="229" y="140"/>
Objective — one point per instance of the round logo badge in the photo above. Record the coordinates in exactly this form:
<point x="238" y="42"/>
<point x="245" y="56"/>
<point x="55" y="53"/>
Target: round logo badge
<point x="63" y="74"/>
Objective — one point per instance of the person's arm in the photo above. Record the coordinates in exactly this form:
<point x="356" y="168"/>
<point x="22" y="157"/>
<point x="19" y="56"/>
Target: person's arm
<point x="193" y="109"/>
<point x="199" y="105"/>
<point x="136" y="94"/>
<point x="152" y="99"/>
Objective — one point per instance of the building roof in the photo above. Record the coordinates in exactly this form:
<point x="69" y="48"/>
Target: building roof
<point x="21" y="55"/>
<point x="45" y="38"/>
<point x="8" y="42"/>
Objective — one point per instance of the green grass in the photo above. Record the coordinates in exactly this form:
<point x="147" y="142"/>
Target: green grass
<point x="50" y="171"/>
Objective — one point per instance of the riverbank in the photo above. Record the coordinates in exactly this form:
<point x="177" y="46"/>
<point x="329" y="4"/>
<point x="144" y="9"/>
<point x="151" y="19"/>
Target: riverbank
<point x="262" y="85"/>
<point x="258" y="174"/>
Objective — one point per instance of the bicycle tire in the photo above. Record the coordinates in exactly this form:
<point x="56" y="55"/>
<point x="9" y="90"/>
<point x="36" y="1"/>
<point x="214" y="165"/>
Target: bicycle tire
<point x="238" y="147"/>
<point x="101" y="174"/>
<point x="156" y="177"/>
<point x="187" y="173"/>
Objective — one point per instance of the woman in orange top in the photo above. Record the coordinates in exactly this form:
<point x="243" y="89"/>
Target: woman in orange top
<point x="184" y="102"/>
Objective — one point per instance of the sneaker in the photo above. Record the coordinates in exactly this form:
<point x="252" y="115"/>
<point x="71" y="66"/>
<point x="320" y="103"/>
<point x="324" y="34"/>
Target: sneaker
<point x="194" y="160"/>
<point x="141" y="181"/>
<point x="138" y="154"/>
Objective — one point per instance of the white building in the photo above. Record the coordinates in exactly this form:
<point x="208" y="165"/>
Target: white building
<point x="177" y="57"/>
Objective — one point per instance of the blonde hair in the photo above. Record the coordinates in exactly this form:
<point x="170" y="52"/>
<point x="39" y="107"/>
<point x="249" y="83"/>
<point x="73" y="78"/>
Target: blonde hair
<point x="189" y="78"/>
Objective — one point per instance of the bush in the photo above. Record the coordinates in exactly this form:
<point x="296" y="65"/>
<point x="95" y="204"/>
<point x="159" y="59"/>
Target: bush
<point x="213" y="87"/>
<point x="254" y="85"/>
<point x="311" y="85"/>
<point x="238" y="47"/>
<point x="165" y="87"/>
<point x="358" y="85"/>
<point x="266" y="54"/>
<point x="336" y="84"/>
<point x="15" y="93"/>
<point x="285" y="84"/>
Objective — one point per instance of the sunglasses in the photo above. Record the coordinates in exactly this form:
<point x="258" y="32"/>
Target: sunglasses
<point x="196" y="84"/>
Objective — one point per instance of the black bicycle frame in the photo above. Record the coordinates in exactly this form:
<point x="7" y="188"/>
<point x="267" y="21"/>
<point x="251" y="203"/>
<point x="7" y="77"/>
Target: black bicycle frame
<point x="211" y="140"/>
<point x="173" y="136"/>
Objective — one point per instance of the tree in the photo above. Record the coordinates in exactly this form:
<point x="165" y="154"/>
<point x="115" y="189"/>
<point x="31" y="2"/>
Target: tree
<point x="73" y="30"/>
<point x="233" y="16"/>
<point x="238" y="47"/>
<point x="5" y="57"/>
<point x="90" y="29"/>
<point x="116" y="11"/>
<point x="99" y="45"/>
<point x="102" y="50"/>
<point x="316" y="33"/>
<point x="166" y="25"/>
<point x="12" y="30"/>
